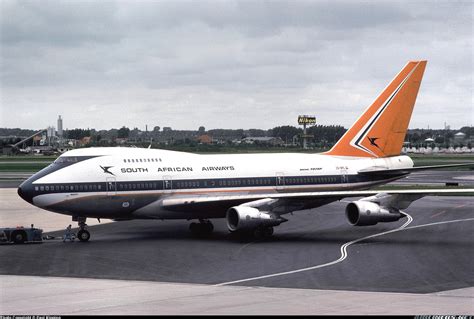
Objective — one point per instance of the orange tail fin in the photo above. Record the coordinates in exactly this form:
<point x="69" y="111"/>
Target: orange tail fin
<point x="381" y="129"/>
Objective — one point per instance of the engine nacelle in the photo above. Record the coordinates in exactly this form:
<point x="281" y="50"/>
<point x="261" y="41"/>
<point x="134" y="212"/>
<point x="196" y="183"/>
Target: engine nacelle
<point x="365" y="213"/>
<point x="246" y="218"/>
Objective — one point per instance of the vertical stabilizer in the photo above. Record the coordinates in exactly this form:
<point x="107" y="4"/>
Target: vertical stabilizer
<point x="381" y="129"/>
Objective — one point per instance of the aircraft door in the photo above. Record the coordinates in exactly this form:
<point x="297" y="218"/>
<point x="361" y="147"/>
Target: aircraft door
<point x="111" y="185"/>
<point x="280" y="181"/>
<point x="167" y="184"/>
<point x="344" y="178"/>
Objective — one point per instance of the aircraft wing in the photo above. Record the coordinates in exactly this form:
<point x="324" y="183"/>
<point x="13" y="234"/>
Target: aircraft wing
<point x="229" y="200"/>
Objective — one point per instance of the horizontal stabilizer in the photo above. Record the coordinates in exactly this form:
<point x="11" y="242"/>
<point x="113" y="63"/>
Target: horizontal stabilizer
<point x="408" y="170"/>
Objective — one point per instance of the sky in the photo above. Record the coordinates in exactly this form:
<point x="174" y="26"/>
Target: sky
<point x="228" y="64"/>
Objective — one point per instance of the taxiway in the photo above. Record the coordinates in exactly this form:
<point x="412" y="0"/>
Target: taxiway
<point x="423" y="265"/>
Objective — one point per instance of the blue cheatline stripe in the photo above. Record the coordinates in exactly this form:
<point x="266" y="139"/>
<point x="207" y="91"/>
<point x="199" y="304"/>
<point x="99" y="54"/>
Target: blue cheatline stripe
<point x="189" y="184"/>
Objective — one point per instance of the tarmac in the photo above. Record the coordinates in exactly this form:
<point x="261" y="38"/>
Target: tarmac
<point x="77" y="296"/>
<point x="316" y="263"/>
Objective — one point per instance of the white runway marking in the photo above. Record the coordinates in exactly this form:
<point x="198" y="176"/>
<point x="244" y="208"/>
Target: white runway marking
<point x="468" y="177"/>
<point x="344" y="250"/>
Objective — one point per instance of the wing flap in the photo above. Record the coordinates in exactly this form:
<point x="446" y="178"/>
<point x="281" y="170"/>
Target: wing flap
<point x="176" y="202"/>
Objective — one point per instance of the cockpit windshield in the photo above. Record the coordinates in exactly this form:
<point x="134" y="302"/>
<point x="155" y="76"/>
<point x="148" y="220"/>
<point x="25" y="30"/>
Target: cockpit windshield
<point x="66" y="159"/>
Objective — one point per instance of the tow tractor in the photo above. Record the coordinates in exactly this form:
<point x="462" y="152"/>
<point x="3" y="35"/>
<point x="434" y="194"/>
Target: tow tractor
<point x="21" y="235"/>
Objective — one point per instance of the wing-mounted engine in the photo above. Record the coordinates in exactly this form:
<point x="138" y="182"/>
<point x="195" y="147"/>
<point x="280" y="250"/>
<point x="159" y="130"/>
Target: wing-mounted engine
<point x="254" y="215"/>
<point x="364" y="213"/>
<point x="247" y="218"/>
<point x="381" y="208"/>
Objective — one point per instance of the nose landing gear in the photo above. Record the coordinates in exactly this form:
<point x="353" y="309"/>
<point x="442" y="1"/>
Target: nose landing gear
<point x="83" y="235"/>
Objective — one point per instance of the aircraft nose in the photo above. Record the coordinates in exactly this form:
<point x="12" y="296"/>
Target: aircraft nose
<point x="23" y="192"/>
<point x="20" y="192"/>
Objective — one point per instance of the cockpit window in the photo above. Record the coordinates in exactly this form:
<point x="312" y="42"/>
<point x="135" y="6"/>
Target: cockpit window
<point x="66" y="159"/>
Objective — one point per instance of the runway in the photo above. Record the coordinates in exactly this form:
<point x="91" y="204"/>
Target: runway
<point x="428" y="255"/>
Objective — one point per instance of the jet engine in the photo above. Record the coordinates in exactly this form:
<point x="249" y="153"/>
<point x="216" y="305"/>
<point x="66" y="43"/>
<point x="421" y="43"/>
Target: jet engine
<point x="365" y="213"/>
<point x="247" y="218"/>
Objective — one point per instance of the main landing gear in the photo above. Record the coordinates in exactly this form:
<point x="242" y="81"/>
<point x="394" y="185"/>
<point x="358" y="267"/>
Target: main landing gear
<point x="201" y="229"/>
<point x="258" y="233"/>
<point x="83" y="235"/>
<point x="262" y="232"/>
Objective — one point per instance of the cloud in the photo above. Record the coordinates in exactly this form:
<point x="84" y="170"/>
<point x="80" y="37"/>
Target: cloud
<point x="227" y="63"/>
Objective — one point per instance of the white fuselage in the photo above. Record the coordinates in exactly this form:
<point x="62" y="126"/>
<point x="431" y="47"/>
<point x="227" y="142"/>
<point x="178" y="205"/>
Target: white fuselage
<point x="125" y="180"/>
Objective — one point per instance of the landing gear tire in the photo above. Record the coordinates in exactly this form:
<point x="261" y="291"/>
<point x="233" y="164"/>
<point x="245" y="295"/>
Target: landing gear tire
<point x="263" y="232"/>
<point x="193" y="228"/>
<point x="83" y="235"/>
<point x="208" y="227"/>
<point x="258" y="233"/>
<point x="268" y="232"/>
<point x="201" y="229"/>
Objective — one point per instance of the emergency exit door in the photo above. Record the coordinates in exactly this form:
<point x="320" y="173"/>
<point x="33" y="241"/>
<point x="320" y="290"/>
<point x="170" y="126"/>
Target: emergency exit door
<point x="111" y="185"/>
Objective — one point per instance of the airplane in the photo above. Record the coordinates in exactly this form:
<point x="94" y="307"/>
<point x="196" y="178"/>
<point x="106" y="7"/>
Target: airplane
<point x="251" y="191"/>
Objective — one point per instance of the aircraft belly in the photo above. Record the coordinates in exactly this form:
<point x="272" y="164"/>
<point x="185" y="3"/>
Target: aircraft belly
<point x="103" y="206"/>
<point x="186" y="211"/>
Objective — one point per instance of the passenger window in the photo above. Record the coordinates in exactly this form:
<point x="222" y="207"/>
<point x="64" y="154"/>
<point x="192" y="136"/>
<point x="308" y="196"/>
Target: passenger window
<point x="41" y="188"/>
<point x="36" y="188"/>
<point x="46" y="188"/>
